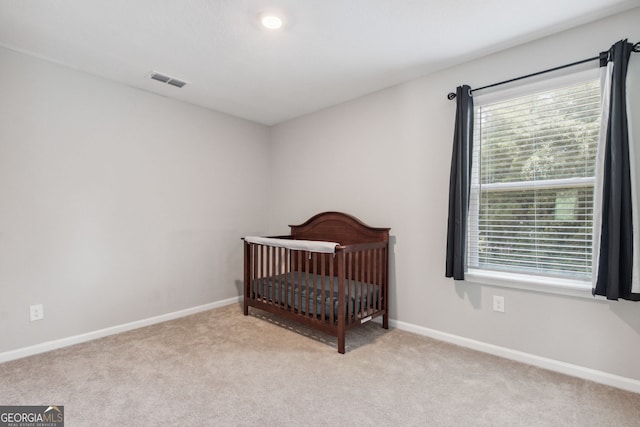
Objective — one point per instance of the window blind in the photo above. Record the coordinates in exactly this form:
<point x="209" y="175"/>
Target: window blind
<point x="531" y="204"/>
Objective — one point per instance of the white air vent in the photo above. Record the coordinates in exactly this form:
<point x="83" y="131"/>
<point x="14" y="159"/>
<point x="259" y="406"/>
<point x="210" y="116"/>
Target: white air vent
<point x="163" y="78"/>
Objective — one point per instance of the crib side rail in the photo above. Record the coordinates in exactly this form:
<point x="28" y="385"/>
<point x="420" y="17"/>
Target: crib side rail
<point x="289" y="280"/>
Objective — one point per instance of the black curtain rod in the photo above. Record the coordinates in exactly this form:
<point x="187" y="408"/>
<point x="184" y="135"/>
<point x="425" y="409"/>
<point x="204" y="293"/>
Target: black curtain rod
<point x="452" y="95"/>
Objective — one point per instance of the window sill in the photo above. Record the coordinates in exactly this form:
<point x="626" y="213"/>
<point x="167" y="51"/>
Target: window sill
<point x="567" y="287"/>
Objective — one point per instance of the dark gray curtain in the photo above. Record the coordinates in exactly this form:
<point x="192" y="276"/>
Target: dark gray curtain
<point x="613" y="260"/>
<point x="459" y="184"/>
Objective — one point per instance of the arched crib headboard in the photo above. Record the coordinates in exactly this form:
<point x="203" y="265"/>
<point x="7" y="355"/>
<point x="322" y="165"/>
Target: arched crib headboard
<point x="338" y="227"/>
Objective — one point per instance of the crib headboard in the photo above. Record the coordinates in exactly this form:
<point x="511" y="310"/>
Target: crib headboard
<point x="338" y="227"/>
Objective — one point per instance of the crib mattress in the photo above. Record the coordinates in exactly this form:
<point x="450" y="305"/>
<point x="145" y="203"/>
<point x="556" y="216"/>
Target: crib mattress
<point x="291" y="289"/>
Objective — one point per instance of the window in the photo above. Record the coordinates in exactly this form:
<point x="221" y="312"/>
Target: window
<point x="531" y="205"/>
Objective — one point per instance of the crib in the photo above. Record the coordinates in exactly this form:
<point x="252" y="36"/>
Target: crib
<point x="331" y="274"/>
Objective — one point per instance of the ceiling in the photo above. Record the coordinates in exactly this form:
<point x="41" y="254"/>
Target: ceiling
<point x="328" y="51"/>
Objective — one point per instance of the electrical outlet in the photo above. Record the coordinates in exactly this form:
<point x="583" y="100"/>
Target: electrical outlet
<point x="498" y="303"/>
<point x="37" y="312"/>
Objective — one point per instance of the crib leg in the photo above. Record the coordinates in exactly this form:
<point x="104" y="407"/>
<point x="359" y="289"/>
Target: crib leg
<point x="246" y="309"/>
<point x="385" y="321"/>
<point x="341" y="343"/>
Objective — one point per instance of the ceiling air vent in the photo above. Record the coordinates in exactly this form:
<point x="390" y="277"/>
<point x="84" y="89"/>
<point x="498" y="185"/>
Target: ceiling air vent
<point x="163" y="78"/>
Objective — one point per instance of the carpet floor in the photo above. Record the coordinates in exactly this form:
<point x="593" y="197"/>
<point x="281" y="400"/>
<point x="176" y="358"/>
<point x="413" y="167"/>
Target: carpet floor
<point x="221" y="368"/>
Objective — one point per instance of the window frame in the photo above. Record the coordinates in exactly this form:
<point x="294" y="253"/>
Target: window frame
<point x="530" y="282"/>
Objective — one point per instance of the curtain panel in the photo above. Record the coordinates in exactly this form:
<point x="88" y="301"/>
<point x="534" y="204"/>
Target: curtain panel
<point x="615" y="240"/>
<point x="460" y="184"/>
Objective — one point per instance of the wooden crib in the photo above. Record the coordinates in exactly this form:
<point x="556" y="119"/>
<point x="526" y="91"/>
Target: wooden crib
<point x="331" y="273"/>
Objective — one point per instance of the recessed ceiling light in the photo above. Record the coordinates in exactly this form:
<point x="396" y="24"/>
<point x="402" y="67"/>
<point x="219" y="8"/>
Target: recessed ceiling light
<point x="272" y="22"/>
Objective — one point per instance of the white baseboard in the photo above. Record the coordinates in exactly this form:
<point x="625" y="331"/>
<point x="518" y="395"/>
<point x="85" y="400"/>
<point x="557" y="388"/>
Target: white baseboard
<point x="77" y="339"/>
<point x="601" y="377"/>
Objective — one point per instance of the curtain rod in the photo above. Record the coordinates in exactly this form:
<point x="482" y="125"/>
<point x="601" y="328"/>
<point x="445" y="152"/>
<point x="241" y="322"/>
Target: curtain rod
<point x="452" y="95"/>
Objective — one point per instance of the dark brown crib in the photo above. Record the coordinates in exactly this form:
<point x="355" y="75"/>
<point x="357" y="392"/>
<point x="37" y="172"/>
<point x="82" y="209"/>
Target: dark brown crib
<point x="331" y="273"/>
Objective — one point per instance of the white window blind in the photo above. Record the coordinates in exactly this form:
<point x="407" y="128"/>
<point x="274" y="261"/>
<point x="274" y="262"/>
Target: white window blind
<point x="531" y="205"/>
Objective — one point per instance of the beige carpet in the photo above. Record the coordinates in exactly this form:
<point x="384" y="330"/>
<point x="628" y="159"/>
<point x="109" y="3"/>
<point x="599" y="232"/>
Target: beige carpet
<point x="221" y="368"/>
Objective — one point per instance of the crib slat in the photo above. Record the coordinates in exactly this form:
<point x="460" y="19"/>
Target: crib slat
<point x="275" y="287"/>
<point x="279" y="274"/>
<point x="247" y="277"/>
<point x="306" y="280"/>
<point x="314" y="285"/>
<point x="356" y="285"/>
<point x="355" y="279"/>
<point x="269" y="268"/>
<point x="285" y="275"/>
<point x="323" y="265"/>
<point x="348" y="274"/>
<point x="381" y="280"/>
<point x="367" y="281"/>
<point x="353" y="268"/>
<point x="265" y="273"/>
<point x="385" y="288"/>
<point x="267" y="277"/>
<point x="363" y="285"/>
<point x="299" y="281"/>
<point x="372" y="284"/>
<point x="254" y="273"/>
<point x="263" y="276"/>
<point x="331" y="307"/>
<point x="278" y="266"/>
<point x="365" y="302"/>
<point x="347" y="284"/>
<point x="341" y="302"/>
<point x="256" y="283"/>
<point x="285" y="278"/>
<point x="275" y="272"/>
<point x="378" y="268"/>
<point x="251" y="270"/>
<point x="261" y="273"/>
<point x="370" y="303"/>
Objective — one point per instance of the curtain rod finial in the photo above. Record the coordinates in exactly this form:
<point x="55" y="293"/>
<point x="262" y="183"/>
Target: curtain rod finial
<point x="451" y="96"/>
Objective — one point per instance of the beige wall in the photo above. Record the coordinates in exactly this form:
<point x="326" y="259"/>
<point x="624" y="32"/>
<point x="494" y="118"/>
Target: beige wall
<point x="115" y="204"/>
<point x="385" y="158"/>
